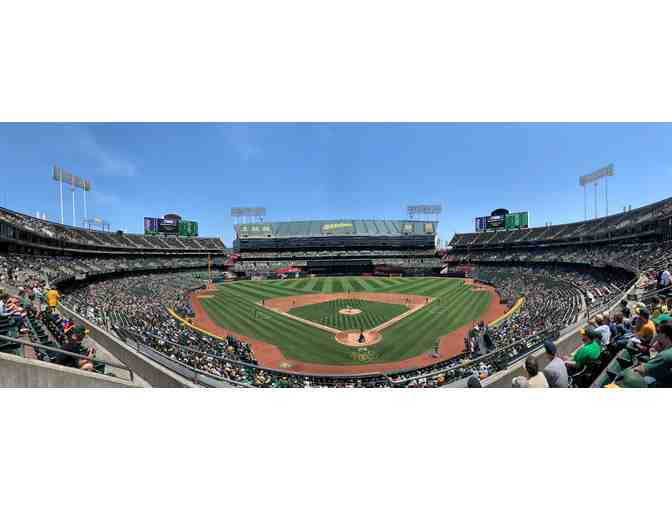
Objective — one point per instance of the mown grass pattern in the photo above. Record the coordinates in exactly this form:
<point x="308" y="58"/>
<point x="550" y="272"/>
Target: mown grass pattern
<point x="234" y="307"/>
<point x="373" y="313"/>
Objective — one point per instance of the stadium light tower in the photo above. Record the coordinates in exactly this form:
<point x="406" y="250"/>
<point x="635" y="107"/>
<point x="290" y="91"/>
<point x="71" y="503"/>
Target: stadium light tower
<point x="602" y="173"/>
<point x="61" y="176"/>
<point x="424" y="211"/>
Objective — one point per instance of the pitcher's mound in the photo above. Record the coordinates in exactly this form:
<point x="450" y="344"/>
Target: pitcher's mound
<point x="352" y="338"/>
<point x="349" y="311"/>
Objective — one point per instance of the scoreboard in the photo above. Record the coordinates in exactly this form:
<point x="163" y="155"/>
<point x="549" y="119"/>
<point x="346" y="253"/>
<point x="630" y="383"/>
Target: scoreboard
<point x="154" y="226"/>
<point x="188" y="228"/>
<point x="517" y="220"/>
<point x="168" y="226"/>
<point x="511" y="221"/>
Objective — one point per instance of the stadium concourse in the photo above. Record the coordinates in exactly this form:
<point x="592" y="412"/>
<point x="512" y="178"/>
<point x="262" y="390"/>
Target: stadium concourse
<point x="599" y="286"/>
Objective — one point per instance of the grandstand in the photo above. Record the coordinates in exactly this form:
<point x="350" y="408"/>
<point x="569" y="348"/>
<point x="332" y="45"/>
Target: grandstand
<point x="22" y="230"/>
<point x="133" y="291"/>
<point x="334" y="247"/>
<point x="648" y="222"/>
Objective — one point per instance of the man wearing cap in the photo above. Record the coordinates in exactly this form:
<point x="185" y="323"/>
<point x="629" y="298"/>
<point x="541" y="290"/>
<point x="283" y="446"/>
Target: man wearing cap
<point x="663" y="340"/>
<point x="588" y="352"/>
<point x="555" y="370"/>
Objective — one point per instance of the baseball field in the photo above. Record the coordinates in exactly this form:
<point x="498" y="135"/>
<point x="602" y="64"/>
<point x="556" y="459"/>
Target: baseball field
<point x="295" y="322"/>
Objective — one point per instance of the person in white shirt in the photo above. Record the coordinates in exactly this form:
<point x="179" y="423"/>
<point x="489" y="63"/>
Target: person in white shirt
<point x="665" y="278"/>
<point x="603" y="329"/>
<point x="536" y="378"/>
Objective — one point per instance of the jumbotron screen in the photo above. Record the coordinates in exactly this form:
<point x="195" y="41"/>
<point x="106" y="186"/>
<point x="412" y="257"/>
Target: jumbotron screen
<point x="168" y="226"/>
<point x="510" y="221"/>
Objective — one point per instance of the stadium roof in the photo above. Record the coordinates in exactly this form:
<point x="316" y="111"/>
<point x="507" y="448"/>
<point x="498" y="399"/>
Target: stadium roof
<point x="319" y="228"/>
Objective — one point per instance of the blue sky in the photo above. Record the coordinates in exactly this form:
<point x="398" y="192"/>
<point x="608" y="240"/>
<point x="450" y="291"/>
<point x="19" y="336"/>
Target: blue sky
<point x="331" y="171"/>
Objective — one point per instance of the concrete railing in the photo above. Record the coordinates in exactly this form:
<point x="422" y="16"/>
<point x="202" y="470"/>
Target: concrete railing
<point x="147" y="368"/>
<point x="18" y="372"/>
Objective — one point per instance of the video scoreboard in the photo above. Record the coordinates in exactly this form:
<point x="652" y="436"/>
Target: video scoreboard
<point x="510" y="221"/>
<point x="154" y="226"/>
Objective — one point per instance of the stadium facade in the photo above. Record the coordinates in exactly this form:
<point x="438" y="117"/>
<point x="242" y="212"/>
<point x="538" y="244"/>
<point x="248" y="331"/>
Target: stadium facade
<point x="338" y="247"/>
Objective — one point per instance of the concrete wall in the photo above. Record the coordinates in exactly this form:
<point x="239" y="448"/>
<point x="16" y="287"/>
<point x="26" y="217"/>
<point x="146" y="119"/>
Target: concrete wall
<point x="565" y="347"/>
<point x="567" y="344"/>
<point x="17" y="372"/>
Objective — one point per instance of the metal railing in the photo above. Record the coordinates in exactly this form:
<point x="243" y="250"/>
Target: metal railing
<point x="654" y="293"/>
<point x="38" y="346"/>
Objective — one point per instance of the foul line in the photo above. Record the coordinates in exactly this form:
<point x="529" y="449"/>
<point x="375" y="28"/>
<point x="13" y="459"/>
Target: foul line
<point x="511" y="311"/>
<point x="187" y="323"/>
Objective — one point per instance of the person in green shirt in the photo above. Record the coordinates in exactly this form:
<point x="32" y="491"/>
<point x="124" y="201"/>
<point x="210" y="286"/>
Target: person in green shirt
<point x="589" y="351"/>
<point x="660" y="368"/>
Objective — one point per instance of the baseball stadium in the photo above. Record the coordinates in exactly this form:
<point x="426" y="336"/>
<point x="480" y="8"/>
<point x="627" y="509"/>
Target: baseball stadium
<point x="324" y="286"/>
<point x="333" y="303"/>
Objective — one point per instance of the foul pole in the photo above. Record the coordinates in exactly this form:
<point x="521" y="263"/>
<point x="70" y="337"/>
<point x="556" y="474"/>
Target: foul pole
<point x="209" y="269"/>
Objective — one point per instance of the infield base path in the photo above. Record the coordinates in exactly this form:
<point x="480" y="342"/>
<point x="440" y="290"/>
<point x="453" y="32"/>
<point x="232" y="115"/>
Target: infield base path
<point x="270" y="356"/>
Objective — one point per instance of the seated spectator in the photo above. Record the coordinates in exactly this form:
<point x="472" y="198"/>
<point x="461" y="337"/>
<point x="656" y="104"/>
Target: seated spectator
<point x="645" y="328"/>
<point x="474" y="382"/>
<point x="536" y="379"/>
<point x="625" y="309"/>
<point x="659" y="367"/>
<point x="74" y="344"/>
<point x="589" y="352"/>
<point x="662" y="319"/>
<point x="663" y="340"/>
<point x="620" y="331"/>
<point x="555" y="370"/>
<point x="659" y="308"/>
<point x="520" y="382"/>
<point x="620" y="326"/>
<point x="603" y="329"/>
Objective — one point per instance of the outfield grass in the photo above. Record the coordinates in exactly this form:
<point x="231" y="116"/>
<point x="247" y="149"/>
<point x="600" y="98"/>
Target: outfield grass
<point x="233" y="307"/>
<point x="372" y="313"/>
